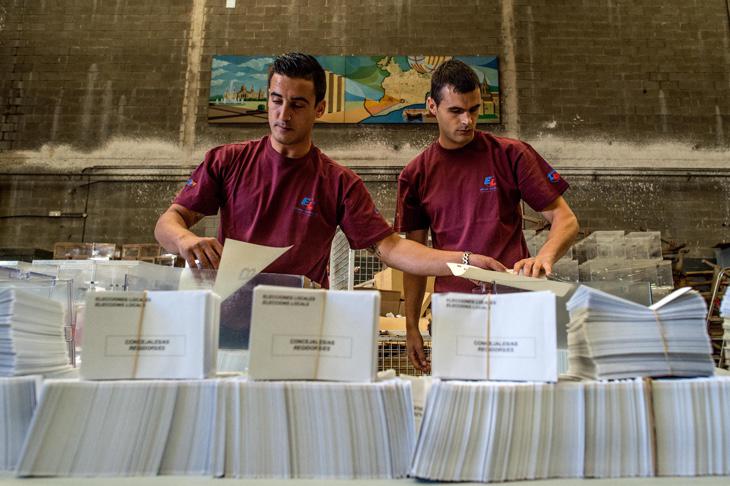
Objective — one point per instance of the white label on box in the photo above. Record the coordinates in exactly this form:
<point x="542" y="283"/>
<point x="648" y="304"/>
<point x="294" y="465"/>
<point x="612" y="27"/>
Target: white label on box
<point x="326" y="346"/>
<point x="511" y="347"/>
<point x="146" y="346"/>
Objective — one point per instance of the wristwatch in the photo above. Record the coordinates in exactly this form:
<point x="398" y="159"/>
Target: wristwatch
<point x="465" y="257"/>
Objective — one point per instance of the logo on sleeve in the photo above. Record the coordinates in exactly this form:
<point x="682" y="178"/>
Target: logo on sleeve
<point x="190" y="183"/>
<point x="553" y="176"/>
<point x="490" y="184"/>
<point x="307" y="206"/>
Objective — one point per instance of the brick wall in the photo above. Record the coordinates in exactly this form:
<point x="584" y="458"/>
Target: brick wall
<point x="81" y="72"/>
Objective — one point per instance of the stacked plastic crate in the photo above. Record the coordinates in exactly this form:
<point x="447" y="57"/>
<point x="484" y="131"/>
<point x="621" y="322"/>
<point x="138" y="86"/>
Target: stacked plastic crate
<point x="616" y="256"/>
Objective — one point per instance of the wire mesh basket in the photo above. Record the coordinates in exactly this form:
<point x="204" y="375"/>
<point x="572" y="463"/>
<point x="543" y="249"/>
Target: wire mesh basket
<point x="392" y="354"/>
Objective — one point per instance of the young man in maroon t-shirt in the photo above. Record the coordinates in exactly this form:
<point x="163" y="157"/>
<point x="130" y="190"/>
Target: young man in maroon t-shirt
<point x="466" y="188"/>
<point x="281" y="190"/>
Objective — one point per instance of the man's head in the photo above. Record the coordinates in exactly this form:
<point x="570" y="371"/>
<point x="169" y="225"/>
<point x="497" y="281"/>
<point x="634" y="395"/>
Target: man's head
<point x="297" y="87"/>
<point x="455" y="101"/>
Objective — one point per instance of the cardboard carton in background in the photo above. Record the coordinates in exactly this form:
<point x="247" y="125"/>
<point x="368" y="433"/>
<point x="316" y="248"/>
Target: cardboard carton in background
<point x="391" y="279"/>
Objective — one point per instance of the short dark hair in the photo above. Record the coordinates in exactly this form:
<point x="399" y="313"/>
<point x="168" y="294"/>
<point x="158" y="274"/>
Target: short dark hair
<point x="303" y="66"/>
<point x="455" y="73"/>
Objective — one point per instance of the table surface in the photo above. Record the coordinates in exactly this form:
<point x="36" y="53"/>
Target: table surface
<point x="199" y="481"/>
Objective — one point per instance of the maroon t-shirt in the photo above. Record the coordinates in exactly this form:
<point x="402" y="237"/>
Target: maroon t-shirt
<point x="268" y="199"/>
<point x="469" y="198"/>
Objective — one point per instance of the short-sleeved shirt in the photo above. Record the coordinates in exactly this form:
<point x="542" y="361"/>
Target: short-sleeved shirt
<point x="268" y="199"/>
<point x="470" y="198"/>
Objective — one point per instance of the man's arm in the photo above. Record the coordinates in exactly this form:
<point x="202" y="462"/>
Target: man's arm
<point x="415" y="258"/>
<point x="563" y="231"/>
<point x="418" y="261"/>
<point x="173" y="233"/>
<point x="414" y="286"/>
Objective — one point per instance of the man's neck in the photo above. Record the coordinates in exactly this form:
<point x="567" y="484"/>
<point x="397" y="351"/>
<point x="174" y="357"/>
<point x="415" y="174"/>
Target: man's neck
<point x="292" y="151"/>
<point x="448" y="144"/>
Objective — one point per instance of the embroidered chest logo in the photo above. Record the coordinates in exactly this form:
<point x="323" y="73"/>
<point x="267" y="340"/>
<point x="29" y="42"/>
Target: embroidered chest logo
<point x="490" y="184"/>
<point x="307" y="206"/>
<point x="190" y="183"/>
<point x="553" y="176"/>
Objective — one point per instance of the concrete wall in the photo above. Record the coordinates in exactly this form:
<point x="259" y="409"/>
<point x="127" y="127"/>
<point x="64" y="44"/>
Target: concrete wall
<point x="594" y="85"/>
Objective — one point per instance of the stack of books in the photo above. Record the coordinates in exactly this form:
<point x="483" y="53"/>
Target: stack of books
<point x="613" y="338"/>
<point x="486" y="431"/>
<point x="17" y="402"/>
<point x="32" y="338"/>
<point x="125" y="428"/>
<point x="319" y="430"/>
<point x="692" y="426"/>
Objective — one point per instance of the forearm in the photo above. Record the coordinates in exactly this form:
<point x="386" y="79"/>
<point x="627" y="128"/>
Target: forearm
<point x="414" y="287"/>
<point x="562" y="234"/>
<point x="415" y="258"/>
<point x="170" y="229"/>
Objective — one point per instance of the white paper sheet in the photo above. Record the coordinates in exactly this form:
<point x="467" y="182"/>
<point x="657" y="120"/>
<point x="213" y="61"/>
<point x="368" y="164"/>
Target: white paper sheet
<point x="240" y="262"/>
<point x="561" y="289"/>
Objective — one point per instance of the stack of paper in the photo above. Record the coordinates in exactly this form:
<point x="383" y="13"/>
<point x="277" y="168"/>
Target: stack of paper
<point x="311" y="334"/>
<point x="610" y="337"/>
<point x="692" y="426"/>
<point x="32" y="339"/>
<point x="494" y="337"/>
<point x="482" y="431"/>
<point x="196" y="440"/>
<point x="125" y="428"/>
<point x="319" y="430"/>
<point x="17" y="402"/>
<point x="157" y="334"/>
<point x="618" y="432"/>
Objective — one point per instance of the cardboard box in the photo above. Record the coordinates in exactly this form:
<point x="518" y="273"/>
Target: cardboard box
<point x="424" y="305"/>
<point x="389" y="300"/>
<point x="392" y="279"/>
<point x="399" y="324"/>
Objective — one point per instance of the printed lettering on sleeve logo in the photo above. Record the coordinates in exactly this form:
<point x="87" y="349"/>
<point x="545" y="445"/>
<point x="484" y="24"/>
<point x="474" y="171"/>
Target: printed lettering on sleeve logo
<point x="490" y="184"/>
<point x="307" y="205"/>
<point x="553" y="176"/>
<point x="190" y="183"/>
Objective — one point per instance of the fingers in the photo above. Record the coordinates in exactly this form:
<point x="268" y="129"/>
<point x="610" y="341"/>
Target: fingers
<point x="211" y="254"/>
<point x="206" y="251"/>
<point x="518" y="266"/>
<point x="533" y="267"/>
<point x="496" y="265"/>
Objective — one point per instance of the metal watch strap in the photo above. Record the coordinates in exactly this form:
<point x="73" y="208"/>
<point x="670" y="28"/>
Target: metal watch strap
<point x="465" y="257"/>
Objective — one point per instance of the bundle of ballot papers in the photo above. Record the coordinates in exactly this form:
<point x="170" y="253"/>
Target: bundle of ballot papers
<point x="610" y="337"/>
<point x="126" y="428"/>
<point x="156" y="334"/>
<point x="494" y="337"/>
<point x="489" y="432"/>
<point x="692" y="426"/>
<point x="17" y="403"/>
<point x="32" y="337"/>
<point x="303" y="430"/>
<point x="313" y="334"/>
<point x="211" y="427"/>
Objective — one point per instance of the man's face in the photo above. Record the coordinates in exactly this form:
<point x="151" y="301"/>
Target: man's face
<point x="292" y="109"/>
<point x="457" y="115"/>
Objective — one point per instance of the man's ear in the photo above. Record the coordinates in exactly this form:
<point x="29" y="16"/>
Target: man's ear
<point x="432" y="106"/>
<point x="319" y="109"/>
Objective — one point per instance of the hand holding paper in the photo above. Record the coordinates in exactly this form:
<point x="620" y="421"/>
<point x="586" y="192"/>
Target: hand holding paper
<point x="240" y="262"/>
<point x="560" y="289"/>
